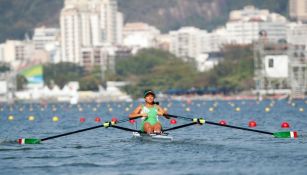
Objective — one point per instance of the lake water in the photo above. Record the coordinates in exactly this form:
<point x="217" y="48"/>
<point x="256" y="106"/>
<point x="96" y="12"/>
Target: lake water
<point x="205" y="149"/>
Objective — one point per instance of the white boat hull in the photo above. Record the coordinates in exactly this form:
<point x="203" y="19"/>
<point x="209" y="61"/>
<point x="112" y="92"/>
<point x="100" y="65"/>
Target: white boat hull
<point x="153" y="137"/>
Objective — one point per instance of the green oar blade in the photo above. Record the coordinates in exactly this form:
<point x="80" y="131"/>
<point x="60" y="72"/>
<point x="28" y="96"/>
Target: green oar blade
<point x="28" y="141"/>
<point x="286" y="134"/>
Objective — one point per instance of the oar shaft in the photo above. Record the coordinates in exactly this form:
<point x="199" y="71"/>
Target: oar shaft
<point x="181" y="126"/>
<point x="69" y="133"/>
<point x="228" y="126"/>
<point x="175" y="116"/>
<point x="241" y="128"/>
<point x="86" y="129"/>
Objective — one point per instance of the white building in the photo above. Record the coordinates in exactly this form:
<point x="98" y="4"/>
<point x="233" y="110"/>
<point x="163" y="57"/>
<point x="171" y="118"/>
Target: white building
<point x="297" y="34"/>
<point x="20" y="54"/>
<point x="187" y="42"/>
<point x="43" y="36"/>
<point x="244" y="25"/>
<point x="16" y="51"/>
<point x="298" y="9"/>
<point x="218" y="37"/>
<point x="140" y="35"/>
<point x="88" y="23"/>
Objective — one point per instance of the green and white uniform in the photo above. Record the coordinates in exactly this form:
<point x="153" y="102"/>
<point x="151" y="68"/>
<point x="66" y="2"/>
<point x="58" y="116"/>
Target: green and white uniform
<point x="152" y="117"/>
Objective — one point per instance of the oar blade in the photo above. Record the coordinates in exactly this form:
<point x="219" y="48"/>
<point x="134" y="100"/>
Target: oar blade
<point x="286" y="134"/>
<point x="28" y="141"/>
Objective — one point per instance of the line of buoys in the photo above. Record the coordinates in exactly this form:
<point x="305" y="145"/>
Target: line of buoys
<point x="187" y="109"/>
<point x="223" y="122"/>
<point x="252" y="124"/>
<point x="114" y="119"/>
<point x="211" y="109"/>
<point x="55" y="118"/>
<point x="173" y="121"/>
<point x="97" y="119"/>
<point x="238" y="109"/>
<point x="285" y="125"/>
<point x="10" y="118"/>
<point x="132" y="121"/>
<point x="31" y="118"/>
<point x="82" y="119"/>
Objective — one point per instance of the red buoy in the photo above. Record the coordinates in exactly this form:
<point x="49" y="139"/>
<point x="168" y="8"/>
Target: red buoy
<point x="114" y="119"/>
<point x="173" y="121"/>
<point x="82" y="119"/>
<point x="132" y="121"/>
<point x="97" y="119"/>
<point x="252" y="124"/>
<point x="285" y="125"/>
<point x="223" y="122"/>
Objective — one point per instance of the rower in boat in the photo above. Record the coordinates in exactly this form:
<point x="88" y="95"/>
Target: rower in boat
<point x="150" y="112"/>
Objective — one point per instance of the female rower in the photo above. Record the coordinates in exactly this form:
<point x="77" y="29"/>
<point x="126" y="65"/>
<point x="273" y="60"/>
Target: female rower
<point x="149" y="112"/>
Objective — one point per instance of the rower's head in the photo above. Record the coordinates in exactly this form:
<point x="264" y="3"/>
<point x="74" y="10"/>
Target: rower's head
<point x="149" y="96"/>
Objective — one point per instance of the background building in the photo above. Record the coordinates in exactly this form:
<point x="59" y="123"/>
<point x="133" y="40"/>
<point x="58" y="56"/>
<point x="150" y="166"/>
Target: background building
<point x="244" y="25"/>
<point x="140" y="35"/>
<point x="298" y="9"/>
<point x="88" y="23"/>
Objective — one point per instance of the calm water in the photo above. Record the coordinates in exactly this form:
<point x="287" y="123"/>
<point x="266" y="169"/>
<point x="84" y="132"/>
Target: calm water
<point x="195" y="150"/>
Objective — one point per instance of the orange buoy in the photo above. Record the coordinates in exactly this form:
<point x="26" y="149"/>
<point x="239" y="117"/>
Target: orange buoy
<point x="114" y="119"/>
<point x="252" y="124"/>
<point x="97" y="119"/>
<point x="285" y="125"/>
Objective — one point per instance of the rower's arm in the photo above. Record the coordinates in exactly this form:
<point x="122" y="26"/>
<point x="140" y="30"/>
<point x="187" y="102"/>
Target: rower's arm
<point x="136" y="112"/>
<point x="162" y="112"/>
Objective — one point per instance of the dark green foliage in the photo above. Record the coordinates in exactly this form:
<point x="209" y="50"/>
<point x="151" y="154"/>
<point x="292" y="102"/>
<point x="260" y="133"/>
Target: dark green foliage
<point x="21" y="82"/>
<point x="235" y="73"/>
<point x="18" y="17"/>
<point x="62" y="73"/>
<point x="4" y="68"/>
<point x="155" y="69"/>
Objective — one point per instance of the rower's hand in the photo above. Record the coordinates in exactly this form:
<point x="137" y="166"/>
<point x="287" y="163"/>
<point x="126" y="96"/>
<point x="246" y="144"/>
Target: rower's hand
<point x="165" y="115"/>
<point x="144" y="115"/>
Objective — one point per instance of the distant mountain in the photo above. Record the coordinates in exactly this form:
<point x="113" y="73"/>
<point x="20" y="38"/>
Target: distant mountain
<point x="18" y="17"/>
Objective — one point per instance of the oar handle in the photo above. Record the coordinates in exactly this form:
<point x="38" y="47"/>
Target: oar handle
<point x="175" y="116"/>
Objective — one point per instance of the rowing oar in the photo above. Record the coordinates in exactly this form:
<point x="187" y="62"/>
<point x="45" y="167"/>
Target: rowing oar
<point x="283" y="134"/>
<point x="106" y="125"/>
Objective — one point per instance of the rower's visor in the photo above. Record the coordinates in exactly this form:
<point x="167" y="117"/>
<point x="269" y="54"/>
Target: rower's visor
<point x="149" y="92"/>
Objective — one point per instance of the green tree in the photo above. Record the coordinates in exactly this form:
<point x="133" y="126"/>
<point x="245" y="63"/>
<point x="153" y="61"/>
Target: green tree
<point x="62" y="73"/>
<point x="155" y="69"/>
<point x="4" y="68"/>
<point x="21" y="82"/>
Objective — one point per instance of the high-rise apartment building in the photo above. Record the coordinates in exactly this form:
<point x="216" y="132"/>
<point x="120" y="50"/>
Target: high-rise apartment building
<point x="88" y="23"/>
<point x="187" y="42"/>
<point x="298" y="9"/>
<point x="244" y="25"/>
<point x="43" y="36"/>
